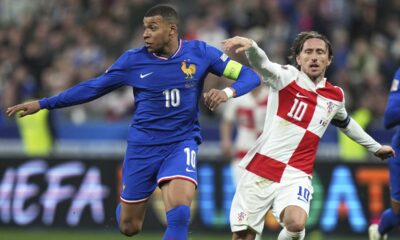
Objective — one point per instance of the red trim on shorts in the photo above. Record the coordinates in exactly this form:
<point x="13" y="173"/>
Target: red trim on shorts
<point x="133" y="201"/>
<point x="176" y="177"/>
<point x="266" y="167"/>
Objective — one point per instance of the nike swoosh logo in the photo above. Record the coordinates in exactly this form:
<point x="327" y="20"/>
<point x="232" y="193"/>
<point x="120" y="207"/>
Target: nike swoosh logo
<point x="189" y="170"/>
<point x="145" y="75"/>
<point x="300" y="96"/>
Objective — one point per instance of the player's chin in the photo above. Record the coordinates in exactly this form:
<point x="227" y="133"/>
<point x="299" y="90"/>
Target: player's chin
<point x="313" y="73"/>
<point x="150" y="49"/>
<point x="153" y="50"/>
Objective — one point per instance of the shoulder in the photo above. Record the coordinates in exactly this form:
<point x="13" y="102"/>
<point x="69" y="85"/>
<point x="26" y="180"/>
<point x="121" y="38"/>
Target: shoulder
<point x="395" y="82"/>
<point x="134" y="52"/>
<point x="127" y="58"/>
<point x="195" y="45"/>
<point x="332" y="92"/>
<point x="290" y="72"/>
<point x="290" y="69"/>
<point x="132" y="55"/>
<point x="397" y="74"/>
<point x="199" y="45"/>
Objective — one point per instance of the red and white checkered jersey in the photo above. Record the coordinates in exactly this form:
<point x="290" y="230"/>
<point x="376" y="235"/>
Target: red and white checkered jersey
<point x="298" y="113"/>
<point x="248" y="112"/>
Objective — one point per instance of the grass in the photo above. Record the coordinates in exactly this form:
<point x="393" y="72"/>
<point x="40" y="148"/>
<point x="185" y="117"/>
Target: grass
<point x="73" y="234"/>
<point x="50" y="234"/>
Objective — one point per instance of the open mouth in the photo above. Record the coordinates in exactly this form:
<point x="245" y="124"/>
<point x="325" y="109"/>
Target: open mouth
<point x="314" y="66"/>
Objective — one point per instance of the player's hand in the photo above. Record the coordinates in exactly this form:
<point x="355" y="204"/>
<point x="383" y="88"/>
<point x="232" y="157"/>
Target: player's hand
<point x="240" y="44"/>
<point x="25" y="108"/>
<point x="385" y="152"/>
<point x="214" y="97"/>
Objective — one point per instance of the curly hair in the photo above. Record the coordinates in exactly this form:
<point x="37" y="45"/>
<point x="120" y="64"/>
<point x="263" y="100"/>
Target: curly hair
<point x="298" y="44"/>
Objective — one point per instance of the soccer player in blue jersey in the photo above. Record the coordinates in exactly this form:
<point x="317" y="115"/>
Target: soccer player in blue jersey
<point x="167" y="77"/>
<point x="390" y="218"/>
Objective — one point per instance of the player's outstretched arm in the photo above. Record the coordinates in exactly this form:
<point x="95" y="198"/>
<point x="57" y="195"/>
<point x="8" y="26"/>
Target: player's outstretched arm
<point x="239" y="44"/>
<point x="385" y="152"/>
<point x="271" y="73"/>
<point x="26" y="108"/>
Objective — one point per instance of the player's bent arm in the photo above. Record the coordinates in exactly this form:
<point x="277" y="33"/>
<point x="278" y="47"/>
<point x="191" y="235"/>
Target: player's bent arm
<point x="246" y="80"/>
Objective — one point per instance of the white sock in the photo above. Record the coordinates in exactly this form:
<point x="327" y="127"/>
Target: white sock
<point x="287" y="235"/>
<point x="258" y="237"/>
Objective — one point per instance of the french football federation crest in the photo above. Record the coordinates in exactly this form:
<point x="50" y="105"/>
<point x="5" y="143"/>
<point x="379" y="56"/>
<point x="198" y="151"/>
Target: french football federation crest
<point x="188" y="70"/>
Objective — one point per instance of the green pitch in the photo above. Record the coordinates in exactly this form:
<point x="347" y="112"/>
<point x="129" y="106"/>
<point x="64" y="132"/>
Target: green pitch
<point x="51" y="234"/>
<point x="41" y="234"/>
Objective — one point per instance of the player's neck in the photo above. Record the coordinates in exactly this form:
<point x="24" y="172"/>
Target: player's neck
<point x="317" y="80"/>
<point x="170" y="49"/>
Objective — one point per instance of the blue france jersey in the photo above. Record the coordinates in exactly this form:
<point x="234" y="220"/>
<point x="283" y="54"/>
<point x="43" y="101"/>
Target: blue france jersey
<point x="392" y="113"/>
<point x="166" y="90"/>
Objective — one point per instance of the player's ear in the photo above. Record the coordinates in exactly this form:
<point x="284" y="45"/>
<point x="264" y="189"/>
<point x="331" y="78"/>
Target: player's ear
<point x="329" y="61"/>
<point x="298" y="60"/>
<point x="173" y="29"/>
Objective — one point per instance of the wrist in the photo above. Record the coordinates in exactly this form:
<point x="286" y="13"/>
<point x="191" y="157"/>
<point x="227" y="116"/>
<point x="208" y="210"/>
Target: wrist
<point x="229" y="92"/>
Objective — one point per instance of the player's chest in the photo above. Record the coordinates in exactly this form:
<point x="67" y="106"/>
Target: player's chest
<point x="178" y="73"/>
<point x="303" y="107"/>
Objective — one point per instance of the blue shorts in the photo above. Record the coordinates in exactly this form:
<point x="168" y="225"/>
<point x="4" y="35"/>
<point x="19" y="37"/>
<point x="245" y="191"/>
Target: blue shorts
<point x="145" y="167"/>
<point x="394" y="169"/>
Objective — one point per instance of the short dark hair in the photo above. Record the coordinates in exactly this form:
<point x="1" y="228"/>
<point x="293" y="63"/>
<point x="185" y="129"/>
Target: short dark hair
<point x="298" y="44"/>
<point x="167" y="12"/>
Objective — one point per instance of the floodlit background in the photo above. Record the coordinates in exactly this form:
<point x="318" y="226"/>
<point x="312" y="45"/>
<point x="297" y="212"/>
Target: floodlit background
<point x="47" y="46"/>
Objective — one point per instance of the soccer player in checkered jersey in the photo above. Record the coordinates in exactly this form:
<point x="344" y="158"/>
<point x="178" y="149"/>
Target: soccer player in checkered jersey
<point x="167" y="77"/>
<point x="390" y="218"/>
<point x="247" y="114"/>
<point x="301" y="104"/>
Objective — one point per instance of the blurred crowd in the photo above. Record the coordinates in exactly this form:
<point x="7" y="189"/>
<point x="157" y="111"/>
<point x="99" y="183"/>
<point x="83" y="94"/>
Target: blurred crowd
<point x="49" y="45"/>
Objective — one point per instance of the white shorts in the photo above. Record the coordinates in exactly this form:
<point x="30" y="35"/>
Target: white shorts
<point x="255" y="195"/>
<point x="237" y="171"/>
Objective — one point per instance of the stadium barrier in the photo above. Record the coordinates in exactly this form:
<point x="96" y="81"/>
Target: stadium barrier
<point x="82" y="193"/>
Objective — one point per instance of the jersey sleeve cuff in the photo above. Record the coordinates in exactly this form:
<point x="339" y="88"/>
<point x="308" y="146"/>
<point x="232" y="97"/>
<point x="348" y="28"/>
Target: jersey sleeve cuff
<point x="374" y="148"/>
<point x="253" y="47"/>
<point x="44" y="103"/>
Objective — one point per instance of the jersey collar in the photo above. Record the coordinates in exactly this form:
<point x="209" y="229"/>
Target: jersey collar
<point x="311" y="84"/>
<point x="173" y="55"/>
